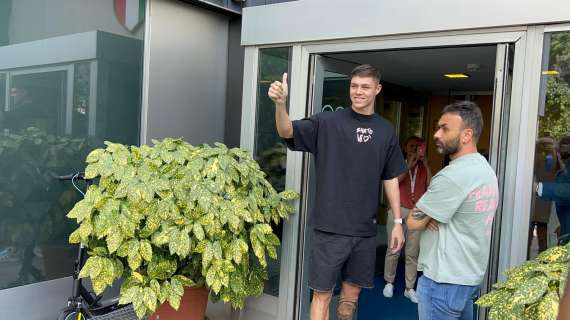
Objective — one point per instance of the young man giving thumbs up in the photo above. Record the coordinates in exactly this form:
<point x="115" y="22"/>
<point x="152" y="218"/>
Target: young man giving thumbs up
<point x="355" y="150"/>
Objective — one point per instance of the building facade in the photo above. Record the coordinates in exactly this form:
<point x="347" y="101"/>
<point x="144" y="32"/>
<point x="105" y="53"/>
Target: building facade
<point x="512" y="60"/>
<point x="132" y="71"/>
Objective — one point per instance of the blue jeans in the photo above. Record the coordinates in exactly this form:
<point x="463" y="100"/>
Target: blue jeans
<point x="443" y="301"/>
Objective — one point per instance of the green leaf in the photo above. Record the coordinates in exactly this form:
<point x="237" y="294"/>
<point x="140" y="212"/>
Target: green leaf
<point x="150" y="298"/>
<point x="85" y="230"/>
<point x="548" y="306"/>
<point x="92" y="171"/>
<point x="129" y="295"/>
<point x="272" y="252"/>
<point x="145" y="250"/>
<point x="211" y="277"/>
<point x="236" y="252"/>
<point x="81" y="211"/>
<point x="123" y="250"/>
<point x="155" y="286"/>
<point x="114" y="239"/>
<point x="75" y="237"/>
<point x="553" y="255"/>
<point x="165" y="292"/>
<point x="490" y="299"/>
<point x="177" y="287"/>
<point x="218" y="250"/>
<point x="98" y="251"/>
<point x="134" y="260"/>
<point x="185" y="281"/>
<point x="91" y="266"/>
<point x="198" y="231"/>
<point x="140" y="311"/>
<point x="166" y="156"/>
<point x="162" y="267"/>
<point x="118" y="268"/>
<point x="179" y="243"/>
<point x="174" y="301"/>
<point x="289" y="195"/>
<point x="208" y="255"/>
<point x="137" y="277"/>
<point x="259" y="251"/>
<point x="531" y="290"/>
<point x="94" y="156"/>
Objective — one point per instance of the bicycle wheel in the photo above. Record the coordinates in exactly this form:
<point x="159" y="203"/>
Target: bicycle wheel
<point x="71" y="315"/>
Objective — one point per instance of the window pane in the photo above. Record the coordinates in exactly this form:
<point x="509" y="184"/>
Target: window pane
<point x="81" y="91"/>
<point x="550" y="211"/>
<point x="270" y="150"/>
<point x="74" y="84"/>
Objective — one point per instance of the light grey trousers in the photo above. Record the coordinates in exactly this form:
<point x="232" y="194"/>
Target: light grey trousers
<point x="411" y="249"/>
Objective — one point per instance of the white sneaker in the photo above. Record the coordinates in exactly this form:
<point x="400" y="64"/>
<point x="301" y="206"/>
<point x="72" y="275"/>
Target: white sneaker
<point x="411" y="294"/>
<point x="388" y="290"/>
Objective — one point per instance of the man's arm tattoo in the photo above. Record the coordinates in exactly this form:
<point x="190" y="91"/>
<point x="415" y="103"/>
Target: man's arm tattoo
<point x="417" y="214"/>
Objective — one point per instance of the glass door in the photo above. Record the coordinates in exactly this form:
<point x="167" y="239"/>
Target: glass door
<point x="498" y="152"/>
<point x="329" y="91"/>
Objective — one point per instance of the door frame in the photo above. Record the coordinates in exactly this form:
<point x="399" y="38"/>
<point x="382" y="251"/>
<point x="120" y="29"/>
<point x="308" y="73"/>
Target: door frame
<point x="525" y="40"/>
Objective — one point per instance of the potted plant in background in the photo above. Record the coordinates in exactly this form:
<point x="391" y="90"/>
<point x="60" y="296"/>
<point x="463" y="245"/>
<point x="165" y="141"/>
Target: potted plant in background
<point x="177" y="216"/>
<point x="532" y="290"/>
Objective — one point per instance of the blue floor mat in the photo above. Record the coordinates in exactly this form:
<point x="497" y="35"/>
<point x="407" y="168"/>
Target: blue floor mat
<point x="373" y="305"/>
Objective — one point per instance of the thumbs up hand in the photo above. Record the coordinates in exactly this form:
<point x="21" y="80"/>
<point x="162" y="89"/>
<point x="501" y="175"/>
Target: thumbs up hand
<point x="278" y="91"/>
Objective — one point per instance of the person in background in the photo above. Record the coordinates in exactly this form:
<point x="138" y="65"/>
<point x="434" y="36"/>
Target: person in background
<point x="559" y="189"/>
<point x="545" y="168"/>
<point x="413" y="184"/>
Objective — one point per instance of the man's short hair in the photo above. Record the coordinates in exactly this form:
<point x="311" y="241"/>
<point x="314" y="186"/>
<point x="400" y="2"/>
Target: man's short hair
<point x="365" y="70"/>
<point x="471" y="115"/>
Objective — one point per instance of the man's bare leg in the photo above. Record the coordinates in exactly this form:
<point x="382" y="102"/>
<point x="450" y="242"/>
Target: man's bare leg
<point x="348" y="301"/>
<point x="320" y="305"/>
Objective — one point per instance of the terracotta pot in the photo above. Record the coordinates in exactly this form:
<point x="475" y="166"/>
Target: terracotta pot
<point x="192" y="306"/>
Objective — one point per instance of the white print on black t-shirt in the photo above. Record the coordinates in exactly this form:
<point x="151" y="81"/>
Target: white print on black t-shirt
<point x="363" y="135"/>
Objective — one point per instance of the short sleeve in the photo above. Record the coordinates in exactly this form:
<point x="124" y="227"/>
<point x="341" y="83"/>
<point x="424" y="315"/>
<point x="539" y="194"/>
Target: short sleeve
<point x="394" y="164"/>
<point x="442" y="199"/>
<point x="305" y="132"/>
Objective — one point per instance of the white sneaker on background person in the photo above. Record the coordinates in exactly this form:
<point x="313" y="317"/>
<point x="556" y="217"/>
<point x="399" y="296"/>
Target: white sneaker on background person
<point x="411" y="294"/>
<point x="388" y="290"/>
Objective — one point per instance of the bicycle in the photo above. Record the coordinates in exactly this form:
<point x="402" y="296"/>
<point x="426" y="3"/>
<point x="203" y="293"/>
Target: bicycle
<point x="83" y="304"/>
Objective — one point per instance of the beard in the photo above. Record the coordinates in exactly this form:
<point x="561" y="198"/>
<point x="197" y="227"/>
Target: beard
<point x="447" y="147"/>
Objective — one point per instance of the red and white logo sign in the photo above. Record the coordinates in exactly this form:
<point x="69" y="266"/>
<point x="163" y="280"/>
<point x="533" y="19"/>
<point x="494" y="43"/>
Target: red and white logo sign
<point x="130" y="13"/>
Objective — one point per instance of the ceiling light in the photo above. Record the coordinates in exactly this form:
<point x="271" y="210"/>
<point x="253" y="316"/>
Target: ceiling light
<point x="550" y="73"/>
<point x="456" y="75"/>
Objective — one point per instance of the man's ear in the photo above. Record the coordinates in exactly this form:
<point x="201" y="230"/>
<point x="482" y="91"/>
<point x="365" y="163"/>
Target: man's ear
<point x="378" y="89"/>
<point x="467" y="135"/>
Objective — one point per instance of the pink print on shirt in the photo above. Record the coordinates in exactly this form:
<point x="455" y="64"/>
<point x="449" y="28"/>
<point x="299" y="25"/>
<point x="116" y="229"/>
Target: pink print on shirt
<point x="487" y="201"/>
<point x="363" y="135"/>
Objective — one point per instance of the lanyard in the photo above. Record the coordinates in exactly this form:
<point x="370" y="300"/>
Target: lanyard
<point x="413" y="180"/>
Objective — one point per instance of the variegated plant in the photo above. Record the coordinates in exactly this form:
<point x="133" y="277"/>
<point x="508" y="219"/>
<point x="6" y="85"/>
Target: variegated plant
<point x="532" y="290"/>
<point x="176" y="215"/>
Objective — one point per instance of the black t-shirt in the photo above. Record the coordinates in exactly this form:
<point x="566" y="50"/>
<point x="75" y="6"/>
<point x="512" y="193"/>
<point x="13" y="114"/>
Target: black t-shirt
<point x="353" y="153"/>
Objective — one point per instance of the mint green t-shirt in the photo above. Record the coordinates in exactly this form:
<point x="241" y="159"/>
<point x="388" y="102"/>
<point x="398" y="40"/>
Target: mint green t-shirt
<point x="463" y="198"/>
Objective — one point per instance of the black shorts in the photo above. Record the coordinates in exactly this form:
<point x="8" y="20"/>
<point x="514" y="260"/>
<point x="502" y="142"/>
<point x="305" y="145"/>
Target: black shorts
<point x="335" y="254"/>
